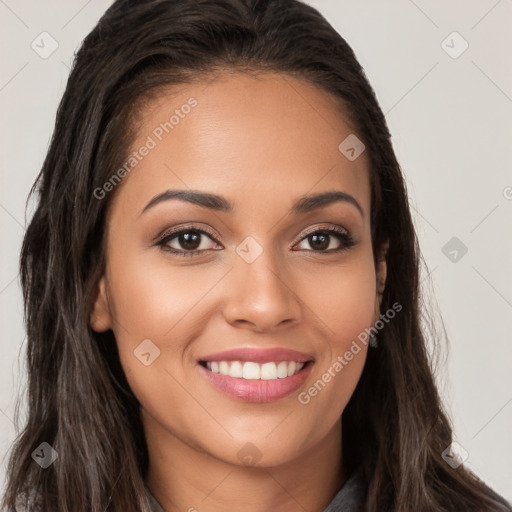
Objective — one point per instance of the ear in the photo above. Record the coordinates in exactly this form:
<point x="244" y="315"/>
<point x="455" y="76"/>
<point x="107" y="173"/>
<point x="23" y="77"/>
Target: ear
<point x="101" y="319"/>
<point x="381" y="269"/>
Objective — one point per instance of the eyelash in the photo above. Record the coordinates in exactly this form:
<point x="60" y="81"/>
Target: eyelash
<point x="345" y="238"/>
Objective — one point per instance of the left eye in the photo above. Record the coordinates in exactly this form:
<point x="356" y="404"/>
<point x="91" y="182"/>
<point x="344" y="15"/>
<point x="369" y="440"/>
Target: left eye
<point x="321" y="240"/>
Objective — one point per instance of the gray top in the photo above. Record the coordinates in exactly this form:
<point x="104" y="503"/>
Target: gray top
<point x="348" y="499"/>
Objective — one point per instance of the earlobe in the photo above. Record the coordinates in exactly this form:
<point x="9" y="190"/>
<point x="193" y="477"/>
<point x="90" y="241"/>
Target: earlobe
<point x="100" y="316"/>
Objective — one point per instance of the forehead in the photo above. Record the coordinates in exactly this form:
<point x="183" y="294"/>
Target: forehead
<point x="253" y="139"/>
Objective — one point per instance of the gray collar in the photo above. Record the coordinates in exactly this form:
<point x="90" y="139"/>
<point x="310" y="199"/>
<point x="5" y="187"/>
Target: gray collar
<point x="348" y="499"/>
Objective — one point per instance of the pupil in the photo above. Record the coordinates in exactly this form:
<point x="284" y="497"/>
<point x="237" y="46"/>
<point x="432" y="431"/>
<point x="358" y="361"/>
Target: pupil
<point x="323" y="241"/>
<point x="190" y="240"/>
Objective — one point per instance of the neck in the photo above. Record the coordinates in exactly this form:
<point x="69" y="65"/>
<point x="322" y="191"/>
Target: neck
<point x="182" y="478"/>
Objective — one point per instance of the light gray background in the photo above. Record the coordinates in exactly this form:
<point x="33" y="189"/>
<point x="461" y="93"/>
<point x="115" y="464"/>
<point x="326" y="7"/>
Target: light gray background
<point x="451" y="125"/>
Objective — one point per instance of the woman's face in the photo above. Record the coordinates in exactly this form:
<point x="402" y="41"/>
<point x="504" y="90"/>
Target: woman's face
<point x="267" y="279"/>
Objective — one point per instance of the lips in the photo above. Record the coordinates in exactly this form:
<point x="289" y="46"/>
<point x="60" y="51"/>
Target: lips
<point x="257" y="375"/>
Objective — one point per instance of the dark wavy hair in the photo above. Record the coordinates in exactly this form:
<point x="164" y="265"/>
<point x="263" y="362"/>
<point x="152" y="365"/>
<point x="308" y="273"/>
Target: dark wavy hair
<point x="79" y="401"/>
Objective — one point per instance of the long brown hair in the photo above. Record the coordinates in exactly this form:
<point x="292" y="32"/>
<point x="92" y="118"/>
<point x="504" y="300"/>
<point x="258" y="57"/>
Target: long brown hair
<point x="79" y="401"/>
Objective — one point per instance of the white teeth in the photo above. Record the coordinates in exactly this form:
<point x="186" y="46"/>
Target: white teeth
<point x="223" y="367"/>
<point x="252" y="371"/>
<point x="236" y="370"/>
<point x="282" y="370"/>
<point x="268" y="371"/>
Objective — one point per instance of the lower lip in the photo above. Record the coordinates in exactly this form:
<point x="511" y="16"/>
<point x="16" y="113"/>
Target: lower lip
<point x="256" y="390"/>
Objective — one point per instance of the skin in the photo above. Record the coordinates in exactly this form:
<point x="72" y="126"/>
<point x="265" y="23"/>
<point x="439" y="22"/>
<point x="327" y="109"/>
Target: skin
<point x="261" y="143"/>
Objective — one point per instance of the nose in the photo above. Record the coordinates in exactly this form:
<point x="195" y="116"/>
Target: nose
<point x="262" y="296"/>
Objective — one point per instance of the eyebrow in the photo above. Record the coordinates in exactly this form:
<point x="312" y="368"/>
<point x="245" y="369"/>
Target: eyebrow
<point x="215" y="202"/>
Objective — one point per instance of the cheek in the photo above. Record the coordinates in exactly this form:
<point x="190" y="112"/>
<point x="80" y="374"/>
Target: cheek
<point x="344" y="302"/>
<point x="156" y="298"/>
<point x="151" y="295"/>
<point x="343" y="299"/>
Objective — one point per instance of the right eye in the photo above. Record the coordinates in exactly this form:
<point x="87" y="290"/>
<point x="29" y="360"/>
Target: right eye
<point x="190" y="240"/>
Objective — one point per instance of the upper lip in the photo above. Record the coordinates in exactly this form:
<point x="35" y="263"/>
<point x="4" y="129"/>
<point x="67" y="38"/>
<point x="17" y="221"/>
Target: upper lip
<point x="259" y="355"/>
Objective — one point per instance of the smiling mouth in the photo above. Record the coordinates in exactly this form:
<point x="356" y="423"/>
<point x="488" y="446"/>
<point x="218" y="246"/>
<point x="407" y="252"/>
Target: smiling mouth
<point x="250" y="370"/>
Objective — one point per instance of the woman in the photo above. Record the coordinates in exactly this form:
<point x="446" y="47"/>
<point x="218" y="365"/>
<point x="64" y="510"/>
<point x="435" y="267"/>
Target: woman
<point x="221" y="280"/>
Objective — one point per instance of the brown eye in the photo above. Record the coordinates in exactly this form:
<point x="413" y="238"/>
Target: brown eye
<point x="322" y="239"/>
<point x="186" y="242"/>
<point x="190" y="240"/>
